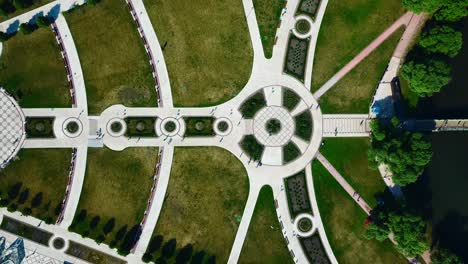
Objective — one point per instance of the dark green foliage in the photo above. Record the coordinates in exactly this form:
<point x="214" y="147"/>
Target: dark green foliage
<point x="109" y="226"/>
<point x="184" y="254"/>
<point x="418" y="6"/>
<point x="442" y="39"/>
<point x="23" y="196"/>
<point x="40" y="127"/>
<point x="5" y="36"/>
<point x="100" y="239"/>
<point x="26" y="211"/>
<point x="48" y="220"/>
<point x="12" y="207"/>
<point x="81" y="216"/>
<point x="147" y="257"/>
<point x="155" y="244"/>
<point x="426" y="77"/>
<point x="58" y="209"/>
<point x="199" y="126"/>
<point x="252" y="147"/>
<point x="37" y="200"/>
<point x="14" y="191"/>
<point x="444" y="256"/>
<point x="290" y="99"/>
<point x="20" y="4"/>
<point x="129" y="240"/>
<point x="452" y="10"/>
<point x="408" y="231"/>
<point x="252" y="105"/>
<point x="3" y="202"/>
<point x="406" y="154"/>
<point x="304" y="125"/>
<point x="27" y="28"/>
<point x="290" y="152"/>
<point x="121" y="233"/>
<point x="377" y="232"/>
<point x="94" y="222"/>
<point x="43" y="21"/>
<point x="169" y="248"/>
<point x="198" y="257"/>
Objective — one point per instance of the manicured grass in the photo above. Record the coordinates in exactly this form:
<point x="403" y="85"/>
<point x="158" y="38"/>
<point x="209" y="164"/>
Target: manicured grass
<point x="117" y="185"/>
<point x="112" y="55"/>
<point x="353" y="93"/>
<point x="344" y="224"/>
<point x="204" y="201"/>
<point x="264" y="242"/>
<point x="347" y="28"/>
<point x="207" y="48"/>
<point x="349" y="157"/>
<point x="268" y="14"/>
<point x="32" y="69"/>
<point x="41" y="171"/>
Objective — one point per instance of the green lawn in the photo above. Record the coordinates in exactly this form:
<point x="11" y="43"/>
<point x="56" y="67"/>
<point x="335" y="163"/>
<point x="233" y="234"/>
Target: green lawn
<point x="347" y="28"/>
<point x="39" y="170"/>
<point x="344" y="224"/>
<point x="206" y="46"/>
<point x="112" y="55"/>
<point x="349" y="157"/>
<point x="354" y="92"/>
<point x="117" y="185"/>
<point x="205" y="200"/>
<point x="264" y="242"/>
<point x="268" y="13"/>
<point x="32" y="68"/>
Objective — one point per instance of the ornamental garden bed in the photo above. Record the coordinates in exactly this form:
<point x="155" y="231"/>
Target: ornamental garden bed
<point x="298" y="197"/>
<point x="253" y="104"/>
<point x="290" y="152"/>
<point x="314" y="249"/>
<point x="90" y="255"/>
<point x="304" y="125"/>
<point x="40" y="127"/>
<point x="25" y="230"/>
<point x="252" y="147"/>
<point x="296" y="57"/>
<point x="308" y="7"/>
<point x="140" y="126"/>
<point x="290" y="99"/>
<point x="196" y="126"/>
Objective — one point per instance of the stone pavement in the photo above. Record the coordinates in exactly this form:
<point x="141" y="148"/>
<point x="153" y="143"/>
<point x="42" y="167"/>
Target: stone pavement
<point x="346" y="125"/>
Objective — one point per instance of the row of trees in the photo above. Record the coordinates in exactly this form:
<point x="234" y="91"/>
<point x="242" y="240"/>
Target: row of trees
<point x="168" y="253"/>
<point x="92" y="226"/>
<point x="16" y="199"/>
<point x="11" y="6"/>
<point x="28" y="28"/>
<point x="409" y="231"/>
<point x="406" y="154"/>
<point x="427" y="70"/>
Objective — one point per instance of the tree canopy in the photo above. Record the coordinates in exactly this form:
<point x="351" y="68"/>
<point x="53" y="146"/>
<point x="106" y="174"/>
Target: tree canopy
<point x="427" y="77"/>
<point x="444" y="256"/>
<point x="442" y="39"/>
<point x="405" y="153"/>
<point x="452" y="10"/>
<point x="377" y="232"/>
<point x="418" y="6"/>
<point x="408" y="231"/>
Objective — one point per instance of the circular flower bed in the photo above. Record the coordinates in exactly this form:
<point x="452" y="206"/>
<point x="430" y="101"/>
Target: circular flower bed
<point x="305" y="225"/>
<point x="223" y="126"/>
<point x="170" y="126"/>
<point x="116" y="127"/>
<point x="72" y="127"/>
<point x="273" y="126"/>
<point x="58" y="243"/>
<point x="303" y="26"/>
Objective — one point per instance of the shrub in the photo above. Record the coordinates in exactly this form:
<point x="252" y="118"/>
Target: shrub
<point x="43" y="21"/>
<point x="48" y="220"/>
<point x="109" y="226"/>
<point x="94" y="222"/>
<point x="169" y="248"/>
<point x="3" y="202"/>
<point x="100" y="239"/>
<point x="5" y="36"/>
<point x="12" y="207"/>
<point x="26" y="211"/>
<point x="37" y="200"/>
<point x="27" y="28"/>
<point x="81" y="216"/>
<point x="147" y="257"/>
<point x="23" y="196"/>
<point x="121" y="233"/>
<point x="14" y="190"/>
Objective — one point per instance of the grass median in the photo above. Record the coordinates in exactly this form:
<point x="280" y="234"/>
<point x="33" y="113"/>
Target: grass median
<point x="112" y="55"/>
<point x="206" y="47"/>
<point x="32" y="69"/>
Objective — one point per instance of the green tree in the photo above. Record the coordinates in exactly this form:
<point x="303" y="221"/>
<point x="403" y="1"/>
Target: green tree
<point x="43" y="21"/>
<point x="442" y="39"/>
<point x="427" y="77"/>
<point x="26" y="28"/>
<point x="418" y="6"/>
<point x="408" y="231"/>
<point x="378" y="232"/>
<point x="452" y="10"/>
<point x="444" y="256"/>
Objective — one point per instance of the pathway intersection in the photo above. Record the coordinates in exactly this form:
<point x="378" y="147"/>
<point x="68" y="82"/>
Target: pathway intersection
<point x="267" y="76"/>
